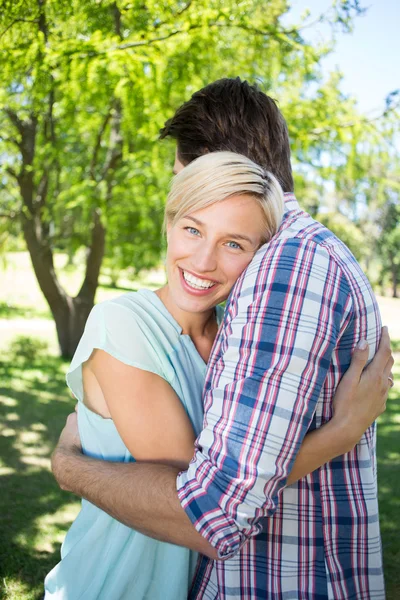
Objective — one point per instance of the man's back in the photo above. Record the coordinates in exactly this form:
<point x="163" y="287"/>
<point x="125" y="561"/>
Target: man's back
<point x="291" y="324"/>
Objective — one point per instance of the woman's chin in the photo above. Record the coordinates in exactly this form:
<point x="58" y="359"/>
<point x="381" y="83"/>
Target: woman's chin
<point x="195" y="305"/>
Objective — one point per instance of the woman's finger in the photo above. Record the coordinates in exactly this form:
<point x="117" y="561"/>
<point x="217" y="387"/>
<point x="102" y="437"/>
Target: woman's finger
<point x="391" y="379"/>
<point x="387" y="372"/>
<point x="359" y="360"/>
<point x="383" y="353"/>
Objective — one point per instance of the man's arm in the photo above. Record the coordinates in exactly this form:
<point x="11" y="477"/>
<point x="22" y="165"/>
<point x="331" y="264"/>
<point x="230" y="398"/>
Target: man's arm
<point x="143" y="496"/>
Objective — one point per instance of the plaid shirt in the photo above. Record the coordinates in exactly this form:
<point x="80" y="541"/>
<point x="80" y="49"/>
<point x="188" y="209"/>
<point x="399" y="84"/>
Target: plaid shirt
<point x="290" y="326"/>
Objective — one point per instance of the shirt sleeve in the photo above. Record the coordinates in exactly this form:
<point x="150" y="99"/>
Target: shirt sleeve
<point x="280" y="329"/>
<point x="120" y="332"/>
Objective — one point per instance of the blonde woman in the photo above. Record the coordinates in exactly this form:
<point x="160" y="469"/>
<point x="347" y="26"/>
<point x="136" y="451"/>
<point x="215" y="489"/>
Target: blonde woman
<point x="139" y="370"/>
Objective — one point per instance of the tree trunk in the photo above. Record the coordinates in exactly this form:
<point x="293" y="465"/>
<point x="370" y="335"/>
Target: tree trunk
<point x="394" y="282"/>
<point x="70" y="314"/>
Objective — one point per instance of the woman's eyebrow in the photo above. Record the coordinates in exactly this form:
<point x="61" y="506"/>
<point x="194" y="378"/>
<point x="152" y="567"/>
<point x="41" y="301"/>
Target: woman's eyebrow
<point x="197" y="221"/>
<point x="234" y="236"/>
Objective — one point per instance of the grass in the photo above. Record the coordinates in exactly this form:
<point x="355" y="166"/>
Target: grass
<point x="34" y="513"/>
<point x="34" y="402"/>
<point x="389" y="485"/>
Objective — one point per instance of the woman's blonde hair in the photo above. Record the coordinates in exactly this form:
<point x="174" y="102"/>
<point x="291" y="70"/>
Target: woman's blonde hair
<point x="217" y="176"/>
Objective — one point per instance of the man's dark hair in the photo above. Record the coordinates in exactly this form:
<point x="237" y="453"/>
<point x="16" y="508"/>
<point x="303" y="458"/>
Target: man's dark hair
<point x="231" y="114"/>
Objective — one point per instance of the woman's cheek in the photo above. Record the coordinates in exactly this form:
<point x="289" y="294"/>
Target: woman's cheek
<point x="238" y="266"/>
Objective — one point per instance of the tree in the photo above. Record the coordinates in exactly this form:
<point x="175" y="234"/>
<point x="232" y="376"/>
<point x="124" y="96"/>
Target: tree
<point x="388" y="245"/>
<point x="85" y="88"/>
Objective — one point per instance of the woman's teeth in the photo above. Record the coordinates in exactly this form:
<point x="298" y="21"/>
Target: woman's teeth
<point x="195" y="282"/>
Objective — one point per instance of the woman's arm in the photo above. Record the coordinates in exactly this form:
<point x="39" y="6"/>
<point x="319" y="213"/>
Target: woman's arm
<point x="155" y="427"/>
<point x="359" y="399"/>
<point x="147" y="413"/>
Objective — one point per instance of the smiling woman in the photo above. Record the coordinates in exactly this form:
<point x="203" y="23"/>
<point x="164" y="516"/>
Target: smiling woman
<point x="220" y="210"/>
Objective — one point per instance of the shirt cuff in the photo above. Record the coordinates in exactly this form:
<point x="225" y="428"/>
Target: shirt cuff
<point x="202" y="499"/>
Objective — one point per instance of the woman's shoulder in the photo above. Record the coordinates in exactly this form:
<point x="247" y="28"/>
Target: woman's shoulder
<point x="142" y="311"/>
<point x="127" y="328"/>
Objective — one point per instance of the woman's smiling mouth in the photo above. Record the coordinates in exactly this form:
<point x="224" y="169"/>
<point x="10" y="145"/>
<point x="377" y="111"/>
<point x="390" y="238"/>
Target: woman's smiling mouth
<point x="195" y="283"/>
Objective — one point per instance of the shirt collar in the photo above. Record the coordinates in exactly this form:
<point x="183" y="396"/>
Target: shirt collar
<point x="290" y="202"/>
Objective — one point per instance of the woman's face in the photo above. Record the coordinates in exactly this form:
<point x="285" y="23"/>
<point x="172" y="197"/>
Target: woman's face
<point x="209" y="249"/>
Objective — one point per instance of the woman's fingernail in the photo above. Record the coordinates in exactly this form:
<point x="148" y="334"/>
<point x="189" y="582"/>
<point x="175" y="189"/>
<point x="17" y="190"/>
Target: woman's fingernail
<point x="362" y="345"/>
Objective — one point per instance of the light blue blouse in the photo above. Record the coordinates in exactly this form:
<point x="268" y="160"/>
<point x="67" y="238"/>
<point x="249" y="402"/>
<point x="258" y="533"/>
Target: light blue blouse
<point x="101" y="559"/>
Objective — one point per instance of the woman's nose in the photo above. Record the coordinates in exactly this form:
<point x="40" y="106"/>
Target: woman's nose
<point x="205" y="259"/>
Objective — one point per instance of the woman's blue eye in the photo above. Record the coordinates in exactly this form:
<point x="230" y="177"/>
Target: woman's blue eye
<point x="192" y="230"/>
<point x="234" y="245"/>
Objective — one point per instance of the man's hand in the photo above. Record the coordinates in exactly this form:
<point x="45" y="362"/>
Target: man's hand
<point x="362" y="393"/>
<point x="69" y="444"/>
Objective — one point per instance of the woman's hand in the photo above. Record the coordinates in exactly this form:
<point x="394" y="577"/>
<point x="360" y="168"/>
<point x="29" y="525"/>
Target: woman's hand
<point x="362" y="393"/>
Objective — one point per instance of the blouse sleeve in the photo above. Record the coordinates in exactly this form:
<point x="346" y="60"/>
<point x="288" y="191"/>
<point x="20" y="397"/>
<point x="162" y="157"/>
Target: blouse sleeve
<point x="120" y="332"/>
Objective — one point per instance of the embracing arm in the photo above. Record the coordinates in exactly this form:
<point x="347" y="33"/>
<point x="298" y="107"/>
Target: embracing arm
<point x="144" y="495"/>
<point x="359" y="400"/>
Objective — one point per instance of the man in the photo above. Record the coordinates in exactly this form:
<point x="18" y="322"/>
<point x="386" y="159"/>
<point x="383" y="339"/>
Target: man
<point x="291" y="324"/>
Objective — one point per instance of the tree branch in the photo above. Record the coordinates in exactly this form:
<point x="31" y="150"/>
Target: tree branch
<point x="129" y="45"/>
<point x="97" y="145"/>
<point x="41" y="192"/>
<point x="115" y="148"/>
<point x="94" y="259"/>
<point x="15" y="120"/>
<point x="17" y="21"/>
<point x="117" y="20"/>
<point x="11" y="172"/>
<point x="42" y="19"/>
<point x="10" y="140"/>
<point x="11" y="216"/>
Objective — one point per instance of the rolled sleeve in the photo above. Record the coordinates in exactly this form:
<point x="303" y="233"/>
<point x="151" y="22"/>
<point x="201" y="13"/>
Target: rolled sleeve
<point x="265" y="377"/>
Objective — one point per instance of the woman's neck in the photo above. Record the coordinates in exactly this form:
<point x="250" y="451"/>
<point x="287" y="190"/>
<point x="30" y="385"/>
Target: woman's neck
<point x="198" y="325"/>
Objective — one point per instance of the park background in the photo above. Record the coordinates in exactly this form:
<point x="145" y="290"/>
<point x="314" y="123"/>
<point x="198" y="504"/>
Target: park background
<point x="84" y="89"/>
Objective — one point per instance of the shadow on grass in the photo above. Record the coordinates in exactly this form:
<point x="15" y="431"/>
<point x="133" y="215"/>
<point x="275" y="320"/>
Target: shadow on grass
<point x="34" y="403"/>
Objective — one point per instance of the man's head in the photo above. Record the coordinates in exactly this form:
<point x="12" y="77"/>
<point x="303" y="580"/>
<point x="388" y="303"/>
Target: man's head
<point x="232" y="115"/>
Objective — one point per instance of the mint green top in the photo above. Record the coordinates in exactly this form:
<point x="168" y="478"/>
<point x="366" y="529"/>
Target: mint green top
<point x="101" y="559"/>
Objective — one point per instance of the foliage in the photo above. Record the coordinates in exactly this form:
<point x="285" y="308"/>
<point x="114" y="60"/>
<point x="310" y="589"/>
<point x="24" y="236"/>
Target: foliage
<point x="86" y="86"/>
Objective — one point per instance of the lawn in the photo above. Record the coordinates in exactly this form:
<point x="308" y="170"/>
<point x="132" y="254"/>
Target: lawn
<point x="34" y="513"/>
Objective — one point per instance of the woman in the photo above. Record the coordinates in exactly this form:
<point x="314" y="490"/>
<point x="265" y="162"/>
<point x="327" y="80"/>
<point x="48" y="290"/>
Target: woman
<point x="138" y="374"/>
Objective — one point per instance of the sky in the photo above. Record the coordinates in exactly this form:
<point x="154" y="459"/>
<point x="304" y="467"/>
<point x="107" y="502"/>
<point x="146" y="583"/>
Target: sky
<point x="369" y="57"/>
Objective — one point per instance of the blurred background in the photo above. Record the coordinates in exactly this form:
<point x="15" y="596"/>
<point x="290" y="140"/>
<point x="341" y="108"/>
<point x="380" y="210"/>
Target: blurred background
<point x="84" y="89"/>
